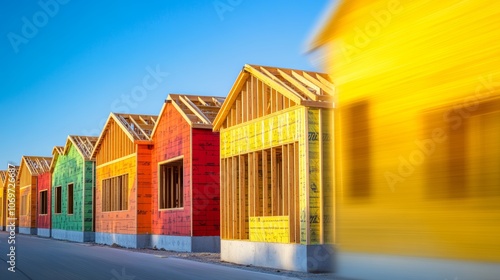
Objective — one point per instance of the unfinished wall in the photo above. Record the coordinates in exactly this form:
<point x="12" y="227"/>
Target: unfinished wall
<point x="144" y="192"/>
<point x="124" y="222"/>
<point x="206" y="183"/>
<point x="70" y="169"/>
<point x="27" y="201"/>
<point x="44" y="184"/>
<point x="172" y="140"/>
<point x="256" y="150"/>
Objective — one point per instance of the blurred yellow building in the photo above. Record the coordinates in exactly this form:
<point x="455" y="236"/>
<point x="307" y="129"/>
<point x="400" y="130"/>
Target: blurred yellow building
<point x="418" y="136"/>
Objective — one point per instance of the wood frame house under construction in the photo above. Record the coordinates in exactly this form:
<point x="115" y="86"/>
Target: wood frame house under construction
<point x="43" y="222"/>
<point x="277" y="190"/>
<point x="123" y="181"/>
<point x="9" y="208"/>
<point x="185" y="175"/>
<point x="73" y="185"/>
<point x="29" y="169"/>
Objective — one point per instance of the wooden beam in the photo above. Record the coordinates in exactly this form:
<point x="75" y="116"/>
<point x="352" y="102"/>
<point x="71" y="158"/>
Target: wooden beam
<point x="251" y="186"/>
<point x="265" y="188"/>
<point x="217" y="102"/>
<point x="305" y="81"/>
<point x="231" y="97"/>
<point x="274" y="82"/>
<point x="282" y="87"/>
<point x="286" y="186"/>
<point x="325" y="81"/>
<point x="234" y="194"/>
<point x="274" y="184"/>
<point x="191" y="106"/>
<point x="319" y="104"/>
<point x="238" y="111"/>
<point x="291" y="193"/>
<point x="202" y="101"/>
<point x="298" y="85"/>
<point x="242" y="205"/>
<point x="139" y="127"/>
<point x="325" y="87"/>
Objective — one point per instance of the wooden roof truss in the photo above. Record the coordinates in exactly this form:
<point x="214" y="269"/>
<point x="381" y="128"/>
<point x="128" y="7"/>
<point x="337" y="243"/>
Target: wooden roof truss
<point x="56" y="152"/>
<point x="84" y="144"/>
<point x="306" y="88"/>
<point x="198" y="111"/>
<point x="37" y="165"/>
<point x="3" y="177"/>
<point x="140" y="127"/>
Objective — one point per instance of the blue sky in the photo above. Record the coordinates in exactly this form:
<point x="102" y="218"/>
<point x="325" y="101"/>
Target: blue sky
<point x="67" y="64"/>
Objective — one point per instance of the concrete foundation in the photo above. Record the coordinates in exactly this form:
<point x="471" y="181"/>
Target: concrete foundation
<point x="296" y="257"/>
<point x="75" y="236"/>
<point x="186" y="243"/>
<point x="28" y="230"/>
<point x="45" y="232"/>
<point x="383" y="267"/>
<point x="124" y="240"/>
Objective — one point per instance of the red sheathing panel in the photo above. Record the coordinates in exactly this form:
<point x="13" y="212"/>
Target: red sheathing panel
<point x="44" y="183"/>
<point x="206" y="183"/>
<point x="171" y="140"/>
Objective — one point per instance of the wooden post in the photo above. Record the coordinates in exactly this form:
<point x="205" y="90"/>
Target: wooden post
<point x="242" y="194"/>
<point x="234" y="199"/>
<point x="265" y="189"/>
<point x="274" y="184"/>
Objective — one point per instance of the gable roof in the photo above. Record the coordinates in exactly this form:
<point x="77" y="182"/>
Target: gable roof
<point x="198" y="111"/>
<point x="56" y="152"/>
<point x="305" y="88"/>
<point x="83" y="144"/>
<point x="137" y="127"/>
<point x="3" y="177"/>
<point x="36" y="165"/>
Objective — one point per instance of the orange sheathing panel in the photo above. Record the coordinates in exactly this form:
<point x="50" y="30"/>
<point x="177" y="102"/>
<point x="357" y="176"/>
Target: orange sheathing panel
<point x="144" y="188"/>
<point x="171" y="140"/>
<point x="117" y="221"/>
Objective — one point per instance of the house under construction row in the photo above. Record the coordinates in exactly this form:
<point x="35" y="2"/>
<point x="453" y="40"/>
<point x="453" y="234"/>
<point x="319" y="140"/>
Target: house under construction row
<point x="248" y="175"/>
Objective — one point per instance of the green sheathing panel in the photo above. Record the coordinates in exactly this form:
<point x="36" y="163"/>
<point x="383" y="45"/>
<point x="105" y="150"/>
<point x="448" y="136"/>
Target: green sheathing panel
<point x="88" y="197"/>
<point x="72" y="169"/>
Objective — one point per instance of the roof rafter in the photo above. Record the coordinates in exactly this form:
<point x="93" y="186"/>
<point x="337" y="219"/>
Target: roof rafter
<point x="282" y="87"/>
<point x="298" y="85"/>
<point x="194" y="109"/>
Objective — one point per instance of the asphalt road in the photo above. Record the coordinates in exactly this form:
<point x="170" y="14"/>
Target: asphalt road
<point x="40" y="259"/>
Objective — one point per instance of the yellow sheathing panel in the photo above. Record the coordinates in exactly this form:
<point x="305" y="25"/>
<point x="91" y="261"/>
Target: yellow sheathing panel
<point x="315" y="188"/>
<point x="270" y="229"/>
<point x="118" y="221"/>
<point x="414" y="80"/>
<point x="280" y="128"/>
